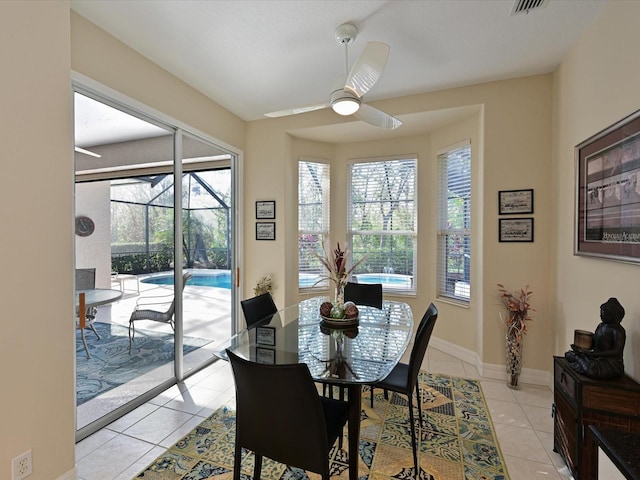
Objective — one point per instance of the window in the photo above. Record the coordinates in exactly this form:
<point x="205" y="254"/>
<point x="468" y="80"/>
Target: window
<point x="313" y="221"/>
<point x="381" y="223"/>
<point x="454" y="223"/>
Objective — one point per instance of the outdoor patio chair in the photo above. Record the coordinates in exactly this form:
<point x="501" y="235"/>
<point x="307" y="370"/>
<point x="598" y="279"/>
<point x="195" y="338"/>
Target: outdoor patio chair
<point x="85" y="280"/>
<point x="161" y="316"/>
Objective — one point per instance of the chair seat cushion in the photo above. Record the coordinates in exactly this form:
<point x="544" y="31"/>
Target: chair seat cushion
<point x="336" y="413"/>
<point x="397" y="380"/>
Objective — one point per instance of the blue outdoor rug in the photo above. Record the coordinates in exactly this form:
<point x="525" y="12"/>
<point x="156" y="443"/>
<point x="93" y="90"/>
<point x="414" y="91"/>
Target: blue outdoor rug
<point x="111" y="364"/>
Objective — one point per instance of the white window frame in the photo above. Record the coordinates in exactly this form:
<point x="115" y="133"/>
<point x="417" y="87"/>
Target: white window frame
<point x="323" y="232"/>
<point x="408" y="288"/>
<point x="449" y="286"/>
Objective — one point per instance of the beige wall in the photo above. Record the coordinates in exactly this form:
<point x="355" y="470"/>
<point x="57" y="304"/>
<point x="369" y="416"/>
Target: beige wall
<point x="596" y="85"/>
<point x="37" y="350"/>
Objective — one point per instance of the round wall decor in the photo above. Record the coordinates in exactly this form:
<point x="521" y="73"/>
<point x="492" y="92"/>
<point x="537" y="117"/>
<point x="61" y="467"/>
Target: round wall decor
<point x="84" y="226"/>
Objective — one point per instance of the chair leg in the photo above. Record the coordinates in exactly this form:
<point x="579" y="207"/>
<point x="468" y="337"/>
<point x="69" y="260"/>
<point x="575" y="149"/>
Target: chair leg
<point x="237" y="462"/>
<point x="132" y="333"/>
<point x="84" y="342"/>
<point x="257" y="470"/>
<point x="419" y="404"/>
<point x="414" y="443"/>
<point x="94" y="330"/>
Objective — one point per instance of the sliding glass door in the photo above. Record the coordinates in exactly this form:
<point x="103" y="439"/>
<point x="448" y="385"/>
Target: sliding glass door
<point x="161" y="248"/>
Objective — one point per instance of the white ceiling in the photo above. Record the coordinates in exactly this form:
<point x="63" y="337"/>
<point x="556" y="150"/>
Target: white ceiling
<point x="258" y="56"/>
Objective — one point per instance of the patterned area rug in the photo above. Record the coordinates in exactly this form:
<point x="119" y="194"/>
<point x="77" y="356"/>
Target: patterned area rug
<point x="111" y="364"/>
<point x="457" y="441"/>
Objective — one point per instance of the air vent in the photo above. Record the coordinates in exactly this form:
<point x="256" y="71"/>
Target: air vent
<point x="526" y="6"/>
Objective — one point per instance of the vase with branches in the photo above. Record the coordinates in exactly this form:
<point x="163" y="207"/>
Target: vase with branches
<point x="517" y="305"/>
<point x="335" y="262"/>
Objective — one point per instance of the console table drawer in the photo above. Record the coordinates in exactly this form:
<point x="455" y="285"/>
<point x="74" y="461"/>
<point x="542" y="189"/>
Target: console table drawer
<point x="566" y="382"/>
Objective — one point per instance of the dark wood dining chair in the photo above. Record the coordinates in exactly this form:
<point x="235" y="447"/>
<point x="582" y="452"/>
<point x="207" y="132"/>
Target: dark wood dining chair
<point x="403" y="378"/>
<point x="280" y="415"/>
<point x="258" y="308"/>
<point x="369" y="294"/>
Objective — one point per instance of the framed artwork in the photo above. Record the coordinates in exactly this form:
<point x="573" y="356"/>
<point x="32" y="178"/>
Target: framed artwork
<point x="515" y="230"/>
<point x="265" y="230"/>
<point x="608" y="194"/>
<point x="266" y="209"/>
<point x="515" y="202"/>
<point x="265" y="356"/>
<point x="266" y="336"/>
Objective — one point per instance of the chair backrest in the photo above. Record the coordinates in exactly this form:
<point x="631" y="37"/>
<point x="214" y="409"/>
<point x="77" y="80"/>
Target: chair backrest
<point x="85" y="278"/>
<point x="420" y="344"/>
<point x="172" y="308"/>
<point x="279" y="413"/>
<point x="364" y="294"/>
<point x="258" y="308"/>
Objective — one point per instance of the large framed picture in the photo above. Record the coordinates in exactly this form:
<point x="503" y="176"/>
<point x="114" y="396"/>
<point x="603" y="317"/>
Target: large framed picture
<point x="515" y="202"/>
<point x="607" y="193"/>
<point x="265" y="230"/>
<point x="515" y="230"/>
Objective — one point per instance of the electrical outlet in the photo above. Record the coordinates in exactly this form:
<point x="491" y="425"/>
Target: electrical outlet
<point x="21" y="466"/>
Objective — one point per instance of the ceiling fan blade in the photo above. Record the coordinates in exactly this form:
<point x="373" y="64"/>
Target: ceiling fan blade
<point x="368" y="68"/>
<point x="376" y="117"/>
<point x="295" y="111"/>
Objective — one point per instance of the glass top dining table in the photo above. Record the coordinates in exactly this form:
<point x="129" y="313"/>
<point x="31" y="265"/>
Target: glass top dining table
<point x="344" y="354"/>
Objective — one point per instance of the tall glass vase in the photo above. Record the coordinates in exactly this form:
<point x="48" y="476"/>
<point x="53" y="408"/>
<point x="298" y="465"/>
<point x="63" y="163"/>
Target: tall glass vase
<point x="339" y="298"/>
<point x="514" y="344"/>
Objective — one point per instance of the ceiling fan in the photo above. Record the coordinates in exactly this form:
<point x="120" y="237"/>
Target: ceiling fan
<point x="347" y="99"/>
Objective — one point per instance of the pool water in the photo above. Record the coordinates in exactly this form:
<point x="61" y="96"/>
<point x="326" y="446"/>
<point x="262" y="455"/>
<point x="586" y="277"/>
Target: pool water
<point x="391" y="280"/>
<point x="218" y="279"/>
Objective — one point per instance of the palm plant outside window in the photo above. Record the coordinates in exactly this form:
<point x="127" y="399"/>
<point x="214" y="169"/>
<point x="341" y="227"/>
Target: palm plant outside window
<point x="382" y="222"/>
<point x="454" y="223"/>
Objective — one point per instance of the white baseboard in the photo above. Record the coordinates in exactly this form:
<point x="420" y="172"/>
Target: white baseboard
<point x="70" y="475"/>
<point x="489" y="370"/>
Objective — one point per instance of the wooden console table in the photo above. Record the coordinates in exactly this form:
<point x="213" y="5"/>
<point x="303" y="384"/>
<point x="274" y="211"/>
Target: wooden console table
<point x="581" y="401"/>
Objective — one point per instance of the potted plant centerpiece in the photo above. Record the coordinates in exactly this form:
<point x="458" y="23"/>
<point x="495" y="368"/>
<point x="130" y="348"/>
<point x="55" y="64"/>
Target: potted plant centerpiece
<point x="518" y="306"/>
<point x="335" y="263"/>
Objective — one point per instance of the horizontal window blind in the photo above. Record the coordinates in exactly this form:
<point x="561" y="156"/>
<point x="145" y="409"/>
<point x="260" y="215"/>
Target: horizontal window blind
<point x="454" y="223"/>
<point x="313" y="221"/>
<point x="381" y="222"/>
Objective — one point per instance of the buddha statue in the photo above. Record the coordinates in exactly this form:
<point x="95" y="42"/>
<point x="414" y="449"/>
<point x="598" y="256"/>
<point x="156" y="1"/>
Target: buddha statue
<point x="604" y="359"/>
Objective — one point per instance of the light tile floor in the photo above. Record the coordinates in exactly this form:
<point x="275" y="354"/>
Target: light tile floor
<point x="522" y="420"/>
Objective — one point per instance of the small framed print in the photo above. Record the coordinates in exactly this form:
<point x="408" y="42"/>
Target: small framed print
<point x="516" y="230"/>
<point x="515" y="202"/>
<point x="266" y="209"/>
<point x="265" y="230"/>
<point x="266" y="336"/>
<point x="265" y="356"/>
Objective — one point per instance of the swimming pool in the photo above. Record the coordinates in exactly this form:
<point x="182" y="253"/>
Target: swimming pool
<point x="220" y="279"/>
<point x="390" y="280"/>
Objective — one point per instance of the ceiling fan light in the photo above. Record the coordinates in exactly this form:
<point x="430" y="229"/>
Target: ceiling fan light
<point x="344" y="103"/>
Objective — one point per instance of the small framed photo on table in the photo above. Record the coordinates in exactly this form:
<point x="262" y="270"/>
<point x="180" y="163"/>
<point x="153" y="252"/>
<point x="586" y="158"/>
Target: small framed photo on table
<point x="265" y="230"/>
<point x="516" y="230"/>
<point x="266" y="209"/>
<point x="515" y="202"/>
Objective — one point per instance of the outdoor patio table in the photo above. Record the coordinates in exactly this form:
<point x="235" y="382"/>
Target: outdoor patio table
<point x="95" y="297"/>
<point x="350" y="357"/>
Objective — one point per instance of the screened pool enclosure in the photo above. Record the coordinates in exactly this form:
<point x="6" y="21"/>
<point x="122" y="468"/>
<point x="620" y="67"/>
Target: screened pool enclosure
<point x="142" y="216"/>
